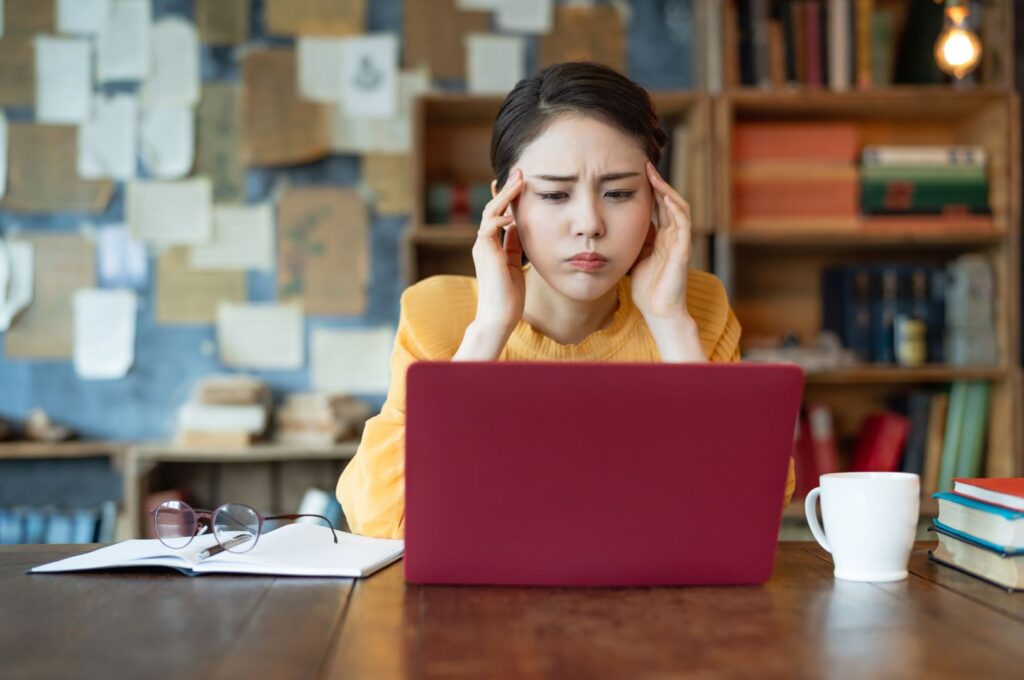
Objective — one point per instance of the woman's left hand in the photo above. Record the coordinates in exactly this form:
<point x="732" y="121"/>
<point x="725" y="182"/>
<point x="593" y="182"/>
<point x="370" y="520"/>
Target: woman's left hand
<point x="659" y="277"/>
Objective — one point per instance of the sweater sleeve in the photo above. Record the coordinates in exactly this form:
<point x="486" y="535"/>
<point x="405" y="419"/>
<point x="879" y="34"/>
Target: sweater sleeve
<point x="371" y="488"/>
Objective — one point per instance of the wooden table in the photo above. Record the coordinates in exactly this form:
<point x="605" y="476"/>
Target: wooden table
<point x="802" y="623"/>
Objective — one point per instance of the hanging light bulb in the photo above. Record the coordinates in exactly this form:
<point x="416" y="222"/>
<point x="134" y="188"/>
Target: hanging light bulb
<point x="958" y="48"/>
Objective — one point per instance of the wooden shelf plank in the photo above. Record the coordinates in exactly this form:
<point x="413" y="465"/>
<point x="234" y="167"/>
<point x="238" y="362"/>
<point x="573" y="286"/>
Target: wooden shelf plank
<point x="171" y="453"/>
<point x="69" y="449"/>
<point x="868" y="239"/>
<point x="897" y="375"/>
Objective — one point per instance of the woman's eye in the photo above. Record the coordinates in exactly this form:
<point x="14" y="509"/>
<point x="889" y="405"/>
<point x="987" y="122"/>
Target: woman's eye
<point x="620" y="195"/>
<point x="554" y="196"/>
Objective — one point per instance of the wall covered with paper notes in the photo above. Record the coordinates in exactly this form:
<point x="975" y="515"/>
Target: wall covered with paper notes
<point x="187" y="189"/>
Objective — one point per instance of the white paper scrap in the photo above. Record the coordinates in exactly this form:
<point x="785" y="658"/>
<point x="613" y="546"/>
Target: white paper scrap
<point x="122" y="47"/>
<point x="3" y="151"/>
<point x="261" y="336"/>
<point x="20" y="261"/>
<point x="320" y="68"/>
<point x="87" y="17"/>
<point x="496" y="62"/>
<point x="370" y="75"/>
<point x="391" y="135"/>
<point x="122" y="258"/>
<point x="167" y="141"/>
<point x="104" y="333"/>
<point x="63" y="83"/>
<point x="173" y="78"/>
<point x="170" y="213"/>
<point x="525" y="16"/>
<point x="106" y="142"/>
<point x="352" y="360"/>
<point x="243" y="238"/>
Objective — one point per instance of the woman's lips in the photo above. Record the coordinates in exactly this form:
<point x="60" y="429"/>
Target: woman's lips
<point x="587" y="261"/>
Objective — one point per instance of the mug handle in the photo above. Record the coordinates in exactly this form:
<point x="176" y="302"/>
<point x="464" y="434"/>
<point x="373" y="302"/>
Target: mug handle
<point x="811" y="510"/>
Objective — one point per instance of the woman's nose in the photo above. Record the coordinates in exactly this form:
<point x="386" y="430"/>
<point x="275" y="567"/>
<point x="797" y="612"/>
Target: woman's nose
<point x="588" y="221"/>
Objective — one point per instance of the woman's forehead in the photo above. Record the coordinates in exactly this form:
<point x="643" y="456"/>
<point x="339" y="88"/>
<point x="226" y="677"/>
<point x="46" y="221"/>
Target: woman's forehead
<point x="573" y="143"/>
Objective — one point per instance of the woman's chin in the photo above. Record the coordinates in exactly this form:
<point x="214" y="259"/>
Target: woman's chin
<point x="585" y="286"/>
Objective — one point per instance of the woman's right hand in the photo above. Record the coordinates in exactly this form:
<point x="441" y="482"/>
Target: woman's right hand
<point x="501" y="285"/>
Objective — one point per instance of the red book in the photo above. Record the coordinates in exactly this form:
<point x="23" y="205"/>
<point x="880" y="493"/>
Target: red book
<point x="823" y="438"/>
<point x="812" y="38"/>
<point x="880" y="443"/>
<point x="1006" y="492"/>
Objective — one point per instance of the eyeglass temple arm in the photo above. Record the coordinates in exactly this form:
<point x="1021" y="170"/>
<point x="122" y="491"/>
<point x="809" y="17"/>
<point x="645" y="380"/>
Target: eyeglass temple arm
<point x="308" y="515"/>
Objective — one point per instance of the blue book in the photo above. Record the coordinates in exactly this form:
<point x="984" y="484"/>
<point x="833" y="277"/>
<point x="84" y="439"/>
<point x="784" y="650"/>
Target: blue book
<point x="84" y="525"/>
<point x="10" y="526"/>
<point x="60" y="528"/>
<point x="885" y="302"/>
<point x="35" y="526"/>
<point x="1003" y="550"/>
<point x="996" y="528"/>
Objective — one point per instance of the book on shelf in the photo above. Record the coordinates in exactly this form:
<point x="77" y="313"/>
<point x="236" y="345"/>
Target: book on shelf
<point x="938" y="407"/>
<point x="880" y="443"/>
<point x="836" y="44"/>
<point x="918" y="408"/>
<point x="291" y="550"/>
<point x="964" y="444"/>
<point x="1003" y="492"/>
<point x="974" y="558"/>
<point x="995" y="525"/>
<point x="224" y="412"/>
<point x="970" y="312"/>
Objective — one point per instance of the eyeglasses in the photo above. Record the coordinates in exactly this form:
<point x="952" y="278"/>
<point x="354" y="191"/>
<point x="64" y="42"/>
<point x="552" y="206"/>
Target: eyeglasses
<point x="236" y="527"/>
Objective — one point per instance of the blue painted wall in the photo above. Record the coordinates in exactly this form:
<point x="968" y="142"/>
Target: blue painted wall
<point x="169" y="359"/>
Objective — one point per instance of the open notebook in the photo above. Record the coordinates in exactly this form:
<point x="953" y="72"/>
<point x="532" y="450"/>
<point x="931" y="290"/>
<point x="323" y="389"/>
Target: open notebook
<point x="293" y="550"/>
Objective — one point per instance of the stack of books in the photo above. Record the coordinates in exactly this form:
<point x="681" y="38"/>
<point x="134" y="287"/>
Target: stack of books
<point x="924" y="180"/>
<point x="224" y="412"/>
<point x="981" y="530"/>
<point x="313" y="419"/>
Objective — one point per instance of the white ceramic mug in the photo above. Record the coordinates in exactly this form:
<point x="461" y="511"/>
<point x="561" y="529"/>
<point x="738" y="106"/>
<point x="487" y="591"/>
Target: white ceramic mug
<point x="870" y="522"/>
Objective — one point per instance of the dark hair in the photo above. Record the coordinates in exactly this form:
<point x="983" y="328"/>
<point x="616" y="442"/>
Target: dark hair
<point x="572" y="87"/>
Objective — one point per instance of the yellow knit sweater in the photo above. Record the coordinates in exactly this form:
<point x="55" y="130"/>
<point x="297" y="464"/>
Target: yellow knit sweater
<point x="433" y="319"/>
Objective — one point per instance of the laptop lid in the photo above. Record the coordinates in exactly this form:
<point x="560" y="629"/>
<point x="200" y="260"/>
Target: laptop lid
<point x="596" y="474"/>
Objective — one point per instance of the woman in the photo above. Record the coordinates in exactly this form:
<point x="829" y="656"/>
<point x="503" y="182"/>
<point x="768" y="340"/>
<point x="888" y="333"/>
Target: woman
<point x="574" y="150"/>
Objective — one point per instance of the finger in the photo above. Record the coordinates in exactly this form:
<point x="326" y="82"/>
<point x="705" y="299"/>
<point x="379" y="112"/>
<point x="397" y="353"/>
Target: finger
<point x="663" y="187"/>
<point x="490" y="226"/>
<point x="500" y="203"/>
<point x="513" y="246"/>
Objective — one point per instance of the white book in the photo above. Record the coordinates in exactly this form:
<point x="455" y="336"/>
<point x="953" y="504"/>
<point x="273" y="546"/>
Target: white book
<point x="292" y="550"/>
<point x="251" y="418"/>
<point x="925" y="155"/>
<point x="839" y="45"/>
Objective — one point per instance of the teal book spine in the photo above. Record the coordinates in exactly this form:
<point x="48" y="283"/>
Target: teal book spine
<point x="951" y="441"/>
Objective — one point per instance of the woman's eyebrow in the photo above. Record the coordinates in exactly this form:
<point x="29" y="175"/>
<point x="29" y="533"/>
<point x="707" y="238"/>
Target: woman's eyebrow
<point x="610" y="177"/>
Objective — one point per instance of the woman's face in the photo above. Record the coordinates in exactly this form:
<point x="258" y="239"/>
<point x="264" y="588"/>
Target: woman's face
<point x="586" y="192"/>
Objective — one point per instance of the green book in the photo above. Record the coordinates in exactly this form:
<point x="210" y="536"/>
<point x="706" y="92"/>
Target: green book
<point x="971" y="451"/>
<point x="951" y="441"/>
<point x="925" y="173"/>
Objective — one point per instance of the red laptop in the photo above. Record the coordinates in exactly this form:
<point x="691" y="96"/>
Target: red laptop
<point x="588" y="474"/>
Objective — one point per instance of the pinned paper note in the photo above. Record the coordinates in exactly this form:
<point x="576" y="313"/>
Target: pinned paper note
<point x="187" y="296"/>
<point x="322" y="249"/>
<point x="44" y="329"/>
<point x="369" y="76"/>
<point x="219" y="141"/>
<point x="585" y="33"/>
<point x="496" y="63"/>
<point x="261" y="336"/>
<point x="392" y="135"/>
<point x="525" y="16"/>
<point x="106" y="142"/>
<point x="173" y="78"/>
<point x="63" y="81"/>
<point x="434" y="36"/>
<point x="387" y="177"/>
<point x="243" y="238"/>
<point x="17" y="71"/>
<point x="315" y="17"/>
<point x="82" y="16"/>
<point x="16" y="291"/>
<point x="352" y="361"/>
<point x="122" y="258"/>
<point x="320" y="68"/>
<point x="223" y="22"/>
<point x="473" y="5"/>
<point x="280" y="127"/>
<point x="169" y="213"/>
<point x="122" y="47"/>
<point x="104" y="333"/>
<point x="42" y="176"/>
<point x="167" y="141"/>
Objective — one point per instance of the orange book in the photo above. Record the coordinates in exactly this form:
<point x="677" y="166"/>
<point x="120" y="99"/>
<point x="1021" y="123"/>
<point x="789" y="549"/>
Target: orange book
<point x="785" y="198"/>
<point x="862" y="38"/>
<point x="823" y="142"/>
